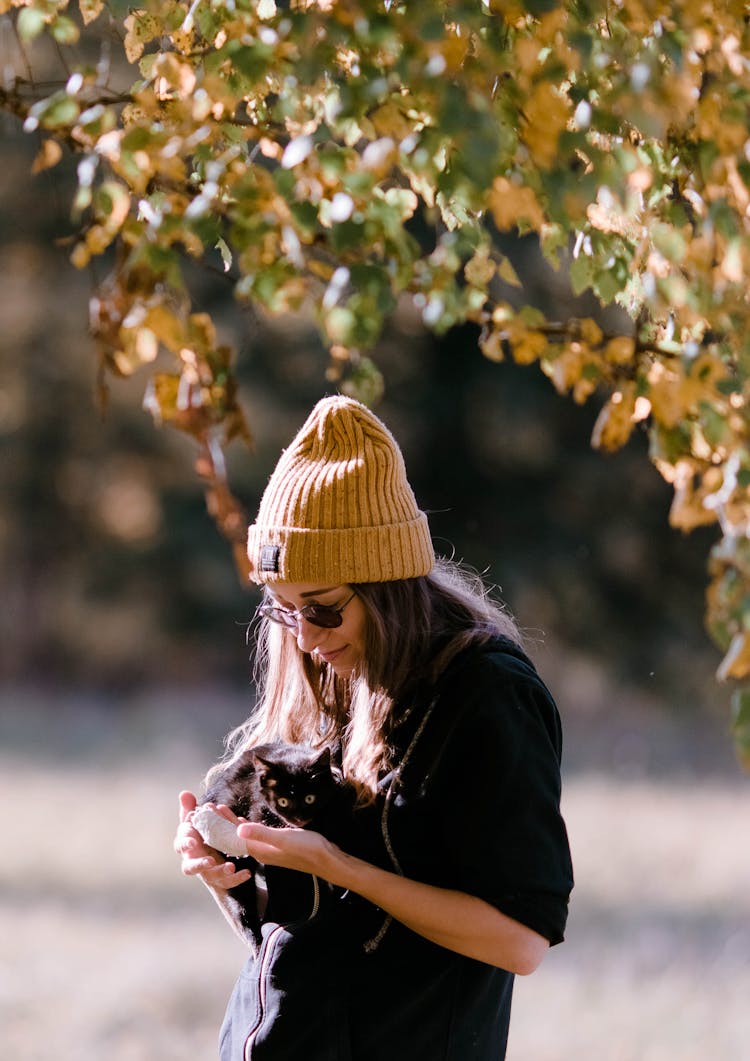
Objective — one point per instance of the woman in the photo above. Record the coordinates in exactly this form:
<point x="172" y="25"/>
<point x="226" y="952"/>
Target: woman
<point x="458" y="873"/>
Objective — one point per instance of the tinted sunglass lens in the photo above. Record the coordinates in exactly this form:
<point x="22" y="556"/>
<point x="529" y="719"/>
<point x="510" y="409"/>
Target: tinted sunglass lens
<point x="320" y="615"/>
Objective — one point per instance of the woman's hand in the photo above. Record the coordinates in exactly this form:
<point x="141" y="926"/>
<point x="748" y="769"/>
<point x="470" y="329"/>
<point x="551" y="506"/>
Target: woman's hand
<point x="197" y="858"/>
<point x="299" y="849"/>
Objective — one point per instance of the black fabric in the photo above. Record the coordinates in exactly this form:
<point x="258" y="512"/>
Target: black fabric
<point x="484" y="783"/>
<point x="291" y="1002"/>
<point x="476" y="808"/>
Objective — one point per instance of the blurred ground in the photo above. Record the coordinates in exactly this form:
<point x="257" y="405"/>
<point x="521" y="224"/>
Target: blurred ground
<point x="109" y="952"/>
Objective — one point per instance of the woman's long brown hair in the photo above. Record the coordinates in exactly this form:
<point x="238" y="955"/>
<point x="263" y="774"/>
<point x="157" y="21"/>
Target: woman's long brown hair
<point x="414" y="627"/>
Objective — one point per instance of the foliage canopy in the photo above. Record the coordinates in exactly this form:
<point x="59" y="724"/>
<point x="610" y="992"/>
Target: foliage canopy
<point x="340" y="155"/>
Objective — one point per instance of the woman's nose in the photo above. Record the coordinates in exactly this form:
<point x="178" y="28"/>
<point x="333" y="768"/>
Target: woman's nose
<point x="309" y="636"/>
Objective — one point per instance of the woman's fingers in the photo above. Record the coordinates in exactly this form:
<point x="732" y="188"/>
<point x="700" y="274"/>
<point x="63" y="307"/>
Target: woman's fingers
<point x="201" y="864"/>
<point x="200" y="860"/>
<point x="221" y="875"/>
<point x="263" y="840"/>
<point x="188" y="841"/>
<point x="225" y="812"/>
<point x="188" y="803"/>
<point x="299" y="849"/>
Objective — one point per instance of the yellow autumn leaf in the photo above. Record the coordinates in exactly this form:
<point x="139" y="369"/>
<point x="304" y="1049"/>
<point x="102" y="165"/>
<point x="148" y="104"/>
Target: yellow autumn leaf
<point x="389" y="120"/>
<point x="403" y="199"/>
<point x="49" y="155"/>
<point x="551" y="24"/>
<point x="687" y="510"/>
<point x="177" y="74"/>
<point x="672" y="394"/>
<point x="90" y="10"/>
<point x="184" y="40"/>
<point x="98" y="238"/>
<point x="526" y="51"/>
<point x="614" y="424"/>
<point x="667" y="400"/>
<point x="166" y="326"/>
<point x="423" y="187"/>
<point x="619" y="351"/>
<point x="514" y="206"/>
<point x="736" y="663"/>
<point x="529" y="347"/>
<point x="141" y="27"/>
<point x="565" y="370"/>
<point x="114" y="200"/>
<point x="590" y="332"/>
<point x="454" y="49"/>
<point x="713" y="124"/>
<point x="80" y="256"/>
<point x="202" y="331"/>
<point x="491" y="345"/>
<point x="546" y="115"/>
<point x="480" y="269"/>
<point x="137" y="346"/>
<point x="132" y="114"/>
<point x="507" y="273"/>
<point x="513" y="11"/>
<point x="583" y="388"/>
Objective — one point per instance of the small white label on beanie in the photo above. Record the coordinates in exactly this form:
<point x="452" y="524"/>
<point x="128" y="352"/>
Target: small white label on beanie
<point x="269" y="558"/>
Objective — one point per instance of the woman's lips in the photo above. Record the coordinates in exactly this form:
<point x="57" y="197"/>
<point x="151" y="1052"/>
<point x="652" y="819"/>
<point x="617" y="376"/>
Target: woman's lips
<point x="329" y="657"/>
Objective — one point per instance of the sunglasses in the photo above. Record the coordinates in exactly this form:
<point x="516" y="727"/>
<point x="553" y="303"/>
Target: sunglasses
<point x="327" y="616"/>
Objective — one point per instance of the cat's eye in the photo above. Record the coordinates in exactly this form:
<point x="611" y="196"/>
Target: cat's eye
<point x="282" y="801"/>
<point x="310" y="798"/>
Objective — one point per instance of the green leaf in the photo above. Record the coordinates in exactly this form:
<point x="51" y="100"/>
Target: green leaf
<point x="57" y="111"/>
<point x="581" y="273"/>
<point x="226" y="254"/>
<point x="366" y="382"/>
<point x="669" y="444"/>
<point x="341" y="325"/>
<point x="30" y="23"/>
<point x="64" y="30"/>
<point x="306" y="216"/>
<point x="609" y="282"/>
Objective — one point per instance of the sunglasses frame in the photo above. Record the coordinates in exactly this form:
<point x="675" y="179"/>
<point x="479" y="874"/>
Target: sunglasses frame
<point x="277" y="614"/>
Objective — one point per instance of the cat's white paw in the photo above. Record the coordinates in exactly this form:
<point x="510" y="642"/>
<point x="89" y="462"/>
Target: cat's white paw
<point x="218" y="832"/>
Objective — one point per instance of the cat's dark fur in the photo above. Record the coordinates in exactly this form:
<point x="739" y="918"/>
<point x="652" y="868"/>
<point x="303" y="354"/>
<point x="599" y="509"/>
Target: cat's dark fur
<point x="282" y="785"/>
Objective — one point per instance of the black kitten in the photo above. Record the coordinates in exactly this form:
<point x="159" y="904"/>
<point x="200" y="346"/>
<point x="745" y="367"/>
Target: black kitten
<point x="282" y="785"/>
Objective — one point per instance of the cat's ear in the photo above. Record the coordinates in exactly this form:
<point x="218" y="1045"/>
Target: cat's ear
<point x="265" y="754"/>
<point x="324" y="759"/>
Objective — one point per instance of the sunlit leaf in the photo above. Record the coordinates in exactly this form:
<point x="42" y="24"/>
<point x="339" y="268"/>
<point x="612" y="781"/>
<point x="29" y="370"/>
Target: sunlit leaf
<point x="31" y="22"/>
<point x="614" y="425"/>
<point x="49" y="155"/>
<point x="90" y="9"/>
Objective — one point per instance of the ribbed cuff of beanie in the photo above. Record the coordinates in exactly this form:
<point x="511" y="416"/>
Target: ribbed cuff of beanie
<point x="332" y="557"/>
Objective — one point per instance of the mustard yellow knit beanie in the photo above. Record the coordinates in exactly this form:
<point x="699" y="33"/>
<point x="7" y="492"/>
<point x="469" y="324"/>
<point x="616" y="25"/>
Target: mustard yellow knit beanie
<point x="338" y="507"/>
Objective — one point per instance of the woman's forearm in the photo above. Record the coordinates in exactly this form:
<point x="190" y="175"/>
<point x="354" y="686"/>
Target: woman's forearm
<point x="452" y="919"/>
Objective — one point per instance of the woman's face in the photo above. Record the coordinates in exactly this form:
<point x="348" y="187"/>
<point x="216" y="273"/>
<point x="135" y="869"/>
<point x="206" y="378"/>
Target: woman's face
<point x="341" y="646"/>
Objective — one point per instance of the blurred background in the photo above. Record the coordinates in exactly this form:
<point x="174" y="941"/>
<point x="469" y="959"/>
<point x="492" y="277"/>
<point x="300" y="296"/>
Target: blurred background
<point x="124" y="662"/>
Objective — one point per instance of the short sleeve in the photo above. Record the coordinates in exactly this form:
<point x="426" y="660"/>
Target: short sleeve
<point x="496" y="783"/>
